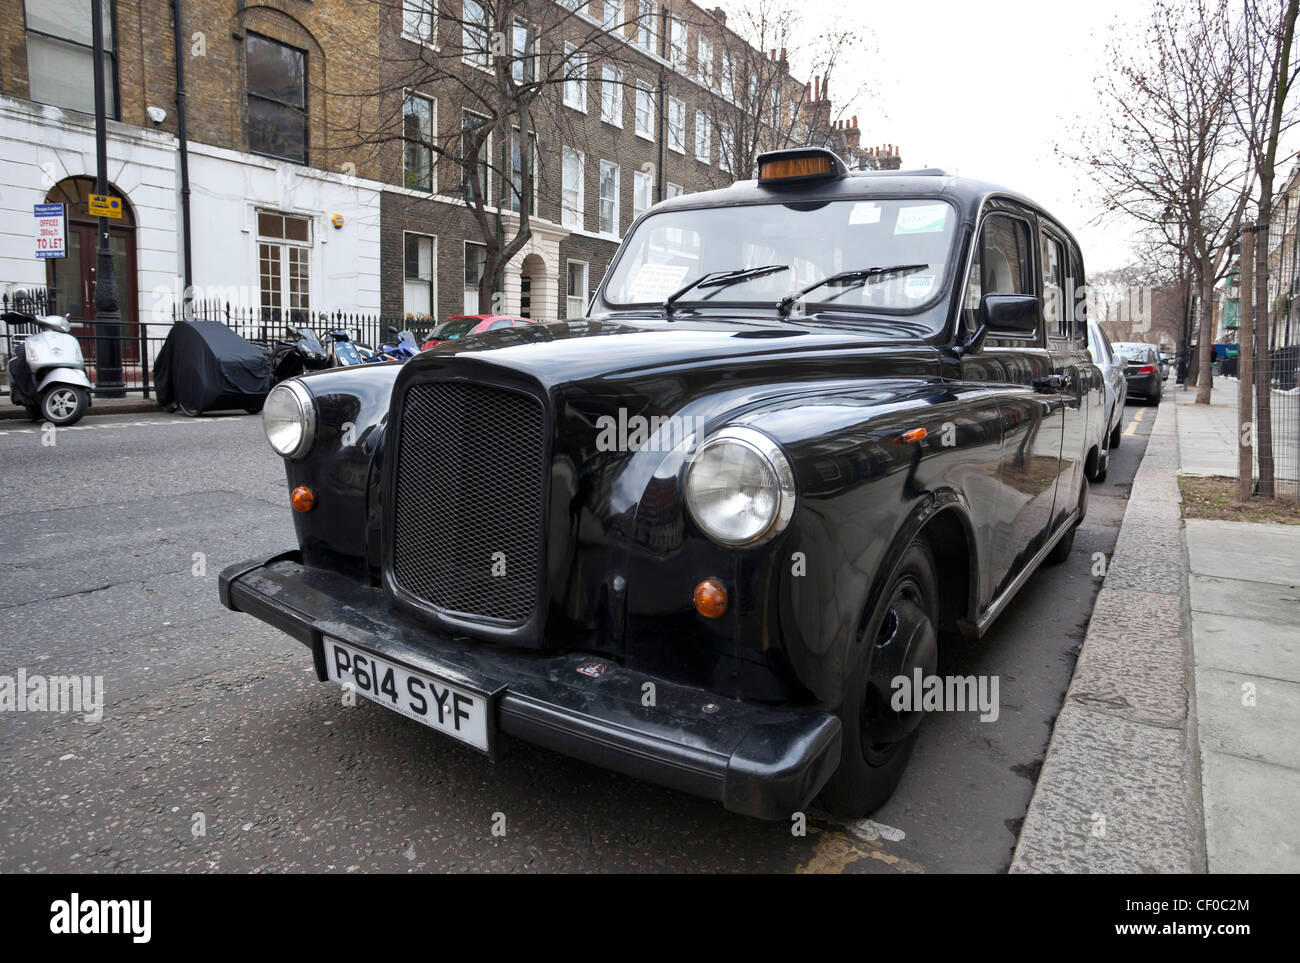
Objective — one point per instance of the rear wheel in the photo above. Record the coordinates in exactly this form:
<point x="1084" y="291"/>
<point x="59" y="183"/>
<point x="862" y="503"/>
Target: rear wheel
<point x="877" y="740"/>
<point x="64" y="405"/>
<point x="187" y="411"/>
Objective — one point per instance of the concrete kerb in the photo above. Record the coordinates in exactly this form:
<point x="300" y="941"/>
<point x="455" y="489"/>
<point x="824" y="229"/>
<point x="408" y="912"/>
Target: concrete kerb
<point x="1120" y="790"/>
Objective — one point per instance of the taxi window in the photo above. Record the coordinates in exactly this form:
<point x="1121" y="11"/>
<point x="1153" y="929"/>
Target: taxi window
<point x="999" y="265"/>
<point x="1053" y="262"/>
<point x="811" y="239"/>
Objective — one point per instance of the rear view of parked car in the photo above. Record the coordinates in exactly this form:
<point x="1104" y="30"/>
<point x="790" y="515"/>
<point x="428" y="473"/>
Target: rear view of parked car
<point x="1141" y="370"/>
<point x="461" y="325"/>
<point x="1111" y="367"/>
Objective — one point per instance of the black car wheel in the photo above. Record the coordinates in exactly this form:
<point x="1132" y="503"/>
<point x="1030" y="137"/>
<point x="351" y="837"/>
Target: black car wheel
<point x="878" y="739"/>
<point x="1116" y="434"/>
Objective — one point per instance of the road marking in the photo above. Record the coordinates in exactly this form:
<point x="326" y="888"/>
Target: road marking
<point x="118" y="424"/>
<point x="1137" y="415"/>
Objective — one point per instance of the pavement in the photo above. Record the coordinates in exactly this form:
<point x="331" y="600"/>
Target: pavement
<point x="218" y="751"/>
<point x="132" y="404"/>
<point x="1175" y="750"/>
<point x="1244" y="580"/>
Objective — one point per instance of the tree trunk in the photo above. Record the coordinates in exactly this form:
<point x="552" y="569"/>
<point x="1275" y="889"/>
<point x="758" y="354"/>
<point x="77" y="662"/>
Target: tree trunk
<point x="1205" y="336"/>
<point x="1246" y="369"/>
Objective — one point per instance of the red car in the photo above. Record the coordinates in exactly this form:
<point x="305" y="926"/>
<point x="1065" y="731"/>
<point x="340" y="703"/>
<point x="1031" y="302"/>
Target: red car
<point x="462" y="324"/>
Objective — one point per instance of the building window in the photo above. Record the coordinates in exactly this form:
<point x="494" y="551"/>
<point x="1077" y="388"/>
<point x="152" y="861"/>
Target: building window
<point x="476" y="185"/>
<point x="609" y="198"/>
<point x="575" y="300"/>
<point x="703" y="137"/>
<point x="677" y="44"/>
<point x="677" y="125"/>
<point x="474" y="35"/>
<point x="419" y="291"/>
<point x="60" y="55"/>
<point x="277" y="99"/>
<point x="523" y="67"/>
<point x="611" y="96"/>
<point x="726" y="148"/>
<point x="604" y="12"/>
<point x="644" y="30"/>
<point x="704" y="60"/>
<point x="575" y="78"/>
<point x="642" y="193"/>
<point x="284" y="265"/>
<point x="475" y="265"/>
<point x="728" y="78"/>
<point x="571" y="193"/>
<point x="518" y="187"/>
<point x="674" y="190"/>
<point x="420" y="22"/>
<point x="418" y="121"/>
<point x="645" y="111"/>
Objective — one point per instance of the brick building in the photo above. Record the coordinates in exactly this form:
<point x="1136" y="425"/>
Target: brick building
<point x="300" y="196"/>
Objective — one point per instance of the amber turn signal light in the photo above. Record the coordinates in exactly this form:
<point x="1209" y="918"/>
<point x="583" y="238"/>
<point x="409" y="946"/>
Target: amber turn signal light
<point x="302" y="499"/>
<point x="710" y="598"/>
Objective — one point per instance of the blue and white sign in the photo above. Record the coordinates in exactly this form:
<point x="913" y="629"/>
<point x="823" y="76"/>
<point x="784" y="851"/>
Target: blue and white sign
<point x="51" y="230"/>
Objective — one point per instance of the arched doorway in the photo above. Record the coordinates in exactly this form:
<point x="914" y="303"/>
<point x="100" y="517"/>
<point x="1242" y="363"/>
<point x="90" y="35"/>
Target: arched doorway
<point x="532" y="286"/>
<point x="73" y="277"/>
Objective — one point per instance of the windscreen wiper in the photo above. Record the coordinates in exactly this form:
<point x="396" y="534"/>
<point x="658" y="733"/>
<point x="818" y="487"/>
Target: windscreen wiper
<point x="719" y="279"/>
<point x="847" y="279"/>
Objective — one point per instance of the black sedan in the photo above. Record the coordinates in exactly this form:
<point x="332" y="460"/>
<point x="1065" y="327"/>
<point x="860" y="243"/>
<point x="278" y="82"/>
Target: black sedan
<point x="1142" y="370"/>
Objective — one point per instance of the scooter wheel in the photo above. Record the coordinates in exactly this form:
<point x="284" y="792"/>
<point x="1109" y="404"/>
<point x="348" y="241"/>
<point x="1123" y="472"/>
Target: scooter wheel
<point x="64" y="405"/>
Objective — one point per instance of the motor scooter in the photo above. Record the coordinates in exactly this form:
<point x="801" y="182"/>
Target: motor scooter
<point x="47" y="374"/>
<point x="297" y="353"/>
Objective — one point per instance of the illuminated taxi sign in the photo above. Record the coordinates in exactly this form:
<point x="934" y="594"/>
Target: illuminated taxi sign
<point x="791" y="166"/>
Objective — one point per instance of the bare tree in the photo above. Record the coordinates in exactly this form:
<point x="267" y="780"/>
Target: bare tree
<point x="1259" y="44"/>
<point x="505" y="65"/>
<point x="1169" y="154"/>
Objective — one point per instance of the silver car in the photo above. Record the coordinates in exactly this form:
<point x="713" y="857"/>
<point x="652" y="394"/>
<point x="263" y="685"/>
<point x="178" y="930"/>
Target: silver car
<point x="1112" y="374"/>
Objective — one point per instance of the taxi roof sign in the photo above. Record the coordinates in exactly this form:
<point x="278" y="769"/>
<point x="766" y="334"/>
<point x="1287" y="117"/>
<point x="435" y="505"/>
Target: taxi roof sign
<point x="799" y="165"/>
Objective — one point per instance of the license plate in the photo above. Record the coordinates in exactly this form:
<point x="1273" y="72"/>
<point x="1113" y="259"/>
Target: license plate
<point x="458" y="712"/>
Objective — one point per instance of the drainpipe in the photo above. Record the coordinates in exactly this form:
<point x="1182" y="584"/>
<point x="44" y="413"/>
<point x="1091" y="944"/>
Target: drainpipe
<point x="664" y="40"/>
<point x="187" y="261"/>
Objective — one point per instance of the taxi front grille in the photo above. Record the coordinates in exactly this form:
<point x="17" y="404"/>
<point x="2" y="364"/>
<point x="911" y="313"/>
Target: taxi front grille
<point x="467" y="517"/>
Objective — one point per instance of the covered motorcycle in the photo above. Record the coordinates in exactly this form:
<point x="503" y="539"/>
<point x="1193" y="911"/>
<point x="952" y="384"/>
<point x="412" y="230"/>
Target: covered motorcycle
<point x="206" y="366"/>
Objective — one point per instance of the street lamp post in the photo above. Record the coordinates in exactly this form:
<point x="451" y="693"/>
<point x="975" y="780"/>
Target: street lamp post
<point x="108" y="328"/>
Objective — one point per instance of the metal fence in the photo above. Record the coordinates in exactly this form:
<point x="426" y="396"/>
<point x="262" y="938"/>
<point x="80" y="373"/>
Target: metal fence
<point x="138" y="343"/>
<point x="1279" y="370"/>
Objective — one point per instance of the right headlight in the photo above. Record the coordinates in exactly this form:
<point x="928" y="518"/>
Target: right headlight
<point x="289" y="418"/>
<point x="740" y="487"/>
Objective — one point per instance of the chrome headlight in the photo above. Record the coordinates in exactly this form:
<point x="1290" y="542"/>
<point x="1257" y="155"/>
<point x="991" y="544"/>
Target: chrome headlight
<point x="740" y="487"/>
<point x="289" y="418"/>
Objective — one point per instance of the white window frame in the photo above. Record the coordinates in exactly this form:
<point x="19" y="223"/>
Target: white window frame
<point x="523" y="61"/>
<point x="478" y="309"/>
<point x="611" y="95"/>
<point x="704" y="60"/>
<point x="645" y="25"/>
<point x="618" y="187"/>
<point x="728" y="78"/>
<point x="415" y="12"/>
<point x="704" y="130"/>
<point x="586" y="290"/>
<point x="470" y="52"/>
<point x="407" y="94"/>
<point x="725" y="144"/>
<point x="645" y="94"/>
<point x="677" y="131"/>
<point x="574" y="218"/>
<point x="286" y="292"/>
<point x="433" y="278"/>
<point x="678" y="37"/>
<point x="575" y="89"/>
<point x="485" y="159"/>
<point x="642" y="181"/>
<point x="673" y="190"/>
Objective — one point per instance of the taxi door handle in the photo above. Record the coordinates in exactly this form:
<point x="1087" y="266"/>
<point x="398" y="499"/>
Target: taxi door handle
<point x="1053" y="382"/>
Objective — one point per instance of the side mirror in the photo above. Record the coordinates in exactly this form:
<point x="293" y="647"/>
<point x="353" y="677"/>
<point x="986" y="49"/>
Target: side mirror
<point x="1013" y="314"/>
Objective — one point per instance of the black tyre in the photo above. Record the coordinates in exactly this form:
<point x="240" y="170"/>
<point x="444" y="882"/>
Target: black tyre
<point x="187" y="411"/>
<point x="64" y="405"/>
<point x="901" y="636"/>
<point x="1061" y="550"/>
<point x="1116" y="434"/>
<point x="254" y="409"/>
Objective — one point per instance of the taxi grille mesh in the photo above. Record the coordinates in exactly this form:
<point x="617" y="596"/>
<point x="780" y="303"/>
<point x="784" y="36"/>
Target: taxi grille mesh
<point x="468" y="513"/>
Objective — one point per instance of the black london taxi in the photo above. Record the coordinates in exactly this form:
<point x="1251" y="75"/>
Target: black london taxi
<point x="816" y="426"/>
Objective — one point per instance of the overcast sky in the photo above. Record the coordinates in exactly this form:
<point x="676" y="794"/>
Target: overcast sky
<point x="987" y="88"/>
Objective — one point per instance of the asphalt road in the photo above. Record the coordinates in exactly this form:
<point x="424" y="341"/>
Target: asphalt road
<point x="219" y="751"/>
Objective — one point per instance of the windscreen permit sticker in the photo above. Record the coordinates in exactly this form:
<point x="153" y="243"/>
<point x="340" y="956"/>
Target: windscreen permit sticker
<point x="864" y="212"/>
<point x="918" y="286"/>
<point x="654" y="282"/>
<point x="924" y="219"/>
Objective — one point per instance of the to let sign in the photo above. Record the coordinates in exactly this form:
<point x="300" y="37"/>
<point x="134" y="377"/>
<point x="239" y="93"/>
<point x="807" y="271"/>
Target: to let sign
<point x="105" y="205"/>
<point x="51" y="230"/>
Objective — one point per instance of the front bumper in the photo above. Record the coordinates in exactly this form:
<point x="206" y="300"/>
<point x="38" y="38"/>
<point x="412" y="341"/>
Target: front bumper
<point x="756" y="760"/>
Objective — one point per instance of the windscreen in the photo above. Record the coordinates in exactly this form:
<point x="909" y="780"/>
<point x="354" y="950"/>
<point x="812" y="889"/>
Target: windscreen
<point x="814" y="240"/>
